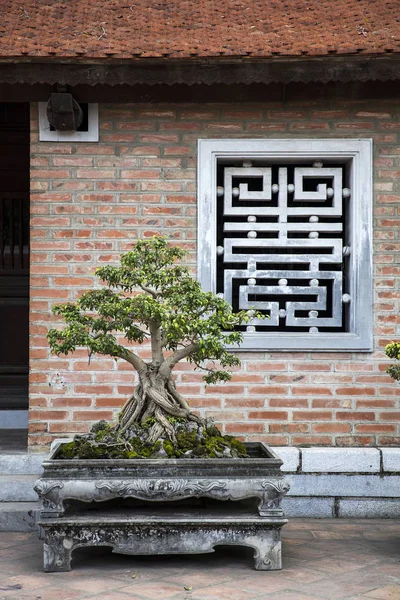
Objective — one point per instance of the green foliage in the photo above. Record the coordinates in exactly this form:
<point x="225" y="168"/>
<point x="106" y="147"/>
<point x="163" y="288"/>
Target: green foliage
<point x="149" y="296"/>
<point x="392" y="350"/>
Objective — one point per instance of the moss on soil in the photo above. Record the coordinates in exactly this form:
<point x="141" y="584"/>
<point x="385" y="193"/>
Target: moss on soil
<point x="193" y="441"/>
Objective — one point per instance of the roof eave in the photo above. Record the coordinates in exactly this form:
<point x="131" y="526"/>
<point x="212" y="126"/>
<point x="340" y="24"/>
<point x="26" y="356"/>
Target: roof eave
<point x="196" y="70"/>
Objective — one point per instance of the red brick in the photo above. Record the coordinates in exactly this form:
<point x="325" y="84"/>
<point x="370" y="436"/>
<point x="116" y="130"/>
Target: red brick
<point x="355" y="416"/>
<point x="269" y="415"/>
<point x="110" y="402"/>
<point x="375" y="428"/>
<point x="288" y="402"/>
<point x="375" y="403"/>
<point x="288" y="427"/>
<point x="266" y="366"/>
<point x="311" y="366"/>
<point x="221" y="389"/>
<point x="389" y="416"/>
<point x="69" y="427"/>
<point x="199" y="402"/>
<point x="355" y="391"/>
<point x="294" y="378"/>
<point x="356" y="440"/>
<point x="51" y="174"/>
<point x="37" y="428"/>
<point x="93" y="389"/>
<point x="312" y="415"/>
<point x="47" y="415"/>
<point x="244" y="428"/>
<point x="330" y="403"/>
<point x="311" y="440"/>
<point x="331" y="428"/>
<point x="244" y="402"/>
<point x="303" y="390"/>
<point x="267" y="389"/>
<point x="389" y="441"/>
<point x="226" y="415"/>
<point x="92" y="415"/>
<point x="70" y="402"/>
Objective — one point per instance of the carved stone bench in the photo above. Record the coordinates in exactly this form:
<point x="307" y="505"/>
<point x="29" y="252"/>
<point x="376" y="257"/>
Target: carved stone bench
<point x="146" y="534"/>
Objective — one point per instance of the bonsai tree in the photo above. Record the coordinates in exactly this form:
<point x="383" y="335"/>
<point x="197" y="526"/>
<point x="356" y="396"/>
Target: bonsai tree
<point x="392" y="350"/>
<point x="150" y="297"/>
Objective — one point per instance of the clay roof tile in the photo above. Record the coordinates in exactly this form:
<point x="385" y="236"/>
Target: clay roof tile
<point x="204" y="28"/>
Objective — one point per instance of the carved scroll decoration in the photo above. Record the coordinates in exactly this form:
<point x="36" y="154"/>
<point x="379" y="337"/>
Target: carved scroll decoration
<point x="153" y="488"/>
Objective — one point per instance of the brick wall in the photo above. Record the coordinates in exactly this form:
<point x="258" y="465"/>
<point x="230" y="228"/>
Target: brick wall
<point x="91" y="201"/>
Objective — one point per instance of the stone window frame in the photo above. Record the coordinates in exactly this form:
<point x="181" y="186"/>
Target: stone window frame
<point x="359" y="153"/>
<point x="91" y="135"/>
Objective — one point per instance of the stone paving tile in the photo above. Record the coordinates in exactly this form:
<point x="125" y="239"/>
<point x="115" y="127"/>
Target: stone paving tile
<point x="95" y="584"/>
<point x="264" y="585"/>
<point x="119" y="596"/>
<point x="156" y="589"/>
<point x="293" y="595"/>
<point x="372" y="577"/>
<point x="49" y="593"/>
<point x="29" y="581"/>
<point x="387" y="592"/>
<point x="223" y="592"/>
<point x="197" y="580"/>
<point x="336" y="590"/>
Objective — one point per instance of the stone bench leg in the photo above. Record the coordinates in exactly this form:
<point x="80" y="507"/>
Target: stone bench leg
<point x="268" y="556"/>
<point x="57" y="554"/>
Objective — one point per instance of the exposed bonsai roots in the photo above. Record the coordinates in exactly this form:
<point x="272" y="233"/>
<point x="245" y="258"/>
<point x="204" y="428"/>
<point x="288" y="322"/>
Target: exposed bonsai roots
<point x="152" y="400"/>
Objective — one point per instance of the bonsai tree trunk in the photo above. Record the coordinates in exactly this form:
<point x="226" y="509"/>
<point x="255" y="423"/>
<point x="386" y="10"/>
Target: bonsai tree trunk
<point x="155" y="396"/>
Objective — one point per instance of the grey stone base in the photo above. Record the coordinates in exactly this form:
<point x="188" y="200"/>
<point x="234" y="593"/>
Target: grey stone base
<point x="169" y="534"/>
<point x="19" y="516"/>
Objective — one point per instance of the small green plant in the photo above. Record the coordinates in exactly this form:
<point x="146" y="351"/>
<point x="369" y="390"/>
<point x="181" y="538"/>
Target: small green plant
<point x="151" y="297"/>
<point x="392" y="350"/>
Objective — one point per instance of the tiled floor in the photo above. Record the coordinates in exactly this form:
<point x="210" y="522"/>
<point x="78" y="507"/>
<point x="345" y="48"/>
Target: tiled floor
<point x="323" y="560"/>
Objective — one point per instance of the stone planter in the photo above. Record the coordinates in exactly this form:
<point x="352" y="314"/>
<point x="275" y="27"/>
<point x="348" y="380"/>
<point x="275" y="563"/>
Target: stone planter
<point x="160" y="483"/>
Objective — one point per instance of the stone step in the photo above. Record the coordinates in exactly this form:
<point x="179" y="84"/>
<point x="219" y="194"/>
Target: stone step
<point x="18" y="488"/>
<point x="18" y="516"/>
<point x="22" y="464"/>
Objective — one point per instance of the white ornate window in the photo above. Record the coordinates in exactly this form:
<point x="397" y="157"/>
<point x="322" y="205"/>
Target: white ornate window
<point x="285" y="227"/>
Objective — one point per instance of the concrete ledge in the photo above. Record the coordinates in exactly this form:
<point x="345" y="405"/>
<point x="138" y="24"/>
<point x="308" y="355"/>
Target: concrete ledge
<point x="21" y="464"/>
<point x="391" y="460"/>
<point x="19" y="516"/>
<point x="366" y="486"/>
<point x="369" y="509"/>
<point x="17" y="488"/>
<point x="316" y="508"/>
<point x="340" y="460"/>
<point x="290" y="457"/>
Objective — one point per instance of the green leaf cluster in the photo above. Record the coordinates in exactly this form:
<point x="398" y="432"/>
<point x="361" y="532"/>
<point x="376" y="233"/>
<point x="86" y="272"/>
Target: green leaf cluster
<point x="392" y="350"/>
<point x="152" y="296"/>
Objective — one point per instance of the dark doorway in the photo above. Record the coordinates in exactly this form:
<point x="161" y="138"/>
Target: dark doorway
<point x="14" y="264"/>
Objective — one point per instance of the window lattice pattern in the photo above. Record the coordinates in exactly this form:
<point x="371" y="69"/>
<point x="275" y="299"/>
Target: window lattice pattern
<point x="281" y="235"/>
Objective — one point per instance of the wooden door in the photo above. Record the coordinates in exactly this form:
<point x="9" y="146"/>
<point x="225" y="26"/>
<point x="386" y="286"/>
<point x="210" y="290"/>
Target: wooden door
<point x="14" y="255"/>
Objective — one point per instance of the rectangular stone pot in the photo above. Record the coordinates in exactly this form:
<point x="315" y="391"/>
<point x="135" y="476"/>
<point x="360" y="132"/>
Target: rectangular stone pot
<point x="161" y="480"/>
